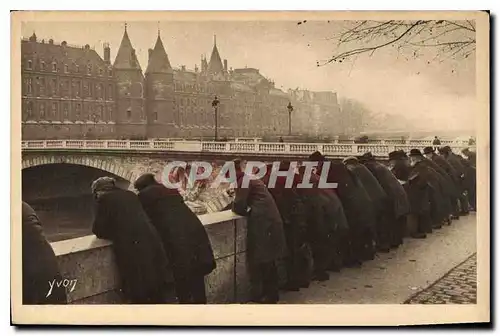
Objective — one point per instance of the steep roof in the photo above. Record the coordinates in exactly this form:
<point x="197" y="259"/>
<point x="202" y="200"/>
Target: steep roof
<point x="126" y="58"/>
<point x="158" y="62"/>
<point x="62" y="54"/>
<point x="215" y="64"/>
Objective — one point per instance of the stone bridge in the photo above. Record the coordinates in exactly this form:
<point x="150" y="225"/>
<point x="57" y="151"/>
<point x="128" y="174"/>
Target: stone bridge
<point x="129" y="159"/>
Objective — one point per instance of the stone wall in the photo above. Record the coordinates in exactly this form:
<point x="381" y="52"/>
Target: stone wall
<point x="90" y="261"/>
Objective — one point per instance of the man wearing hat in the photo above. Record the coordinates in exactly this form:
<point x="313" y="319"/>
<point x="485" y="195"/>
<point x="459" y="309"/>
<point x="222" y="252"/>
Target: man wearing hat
<point x="440" y="192"/>
<point x="397" y="207"/>
<point x="379" y="199"/>
<point x="142" y="264"/>
<point x="452" y="174"/>
<point x="423" y="192"/>
<point x="358" y="210"/>
<point x="462" y="171"/>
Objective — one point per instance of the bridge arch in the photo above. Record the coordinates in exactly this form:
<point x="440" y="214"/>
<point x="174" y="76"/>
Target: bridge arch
<point x="99" y="163"/>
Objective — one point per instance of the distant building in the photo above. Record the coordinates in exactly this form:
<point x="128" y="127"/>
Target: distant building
<point x="71" y="92"/>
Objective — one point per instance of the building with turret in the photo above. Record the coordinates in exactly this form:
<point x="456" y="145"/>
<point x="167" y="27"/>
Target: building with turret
<point x="71" y="92"/>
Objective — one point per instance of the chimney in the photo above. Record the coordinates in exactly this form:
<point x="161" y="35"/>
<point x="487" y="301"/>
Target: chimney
<point x="225" y="65"/>
<point x="107" y="53"/>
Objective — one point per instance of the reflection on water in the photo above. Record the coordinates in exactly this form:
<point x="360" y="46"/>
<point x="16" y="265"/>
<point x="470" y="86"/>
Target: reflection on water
<point x="65" y="217"/>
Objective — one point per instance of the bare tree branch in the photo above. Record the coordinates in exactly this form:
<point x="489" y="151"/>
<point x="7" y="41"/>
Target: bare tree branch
<point x="366" y="37"/>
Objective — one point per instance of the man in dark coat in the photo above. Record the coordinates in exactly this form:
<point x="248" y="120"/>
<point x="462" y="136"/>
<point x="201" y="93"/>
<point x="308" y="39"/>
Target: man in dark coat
<point x="40" y="268"/>
<point x="184" y="238"/>
<point x="378" y="198"/>
<point x="266" y="242"/>
<point x="456" y="162"/>
<point x="470" y="176"/>
<point x="438" y="190"/>
<point x="453" y="175"/>
<point x="397" y="206"/>
<point x="358" y="209"/>
<point x="141" y="260"/>
<point x="436" y="142"/>
<point x="326" y="224"/>
<point x="419" y="195"/>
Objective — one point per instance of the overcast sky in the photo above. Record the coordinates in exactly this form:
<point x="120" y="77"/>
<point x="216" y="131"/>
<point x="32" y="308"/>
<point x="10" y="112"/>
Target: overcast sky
<point x="441" y="93"/>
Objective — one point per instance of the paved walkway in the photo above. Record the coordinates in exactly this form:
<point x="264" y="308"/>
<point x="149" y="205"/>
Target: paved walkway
<point x="399" y="275"/>
<point x="458" y="286"/>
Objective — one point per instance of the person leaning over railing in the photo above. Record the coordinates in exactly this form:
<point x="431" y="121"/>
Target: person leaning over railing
<point x="144" y="269"/>
<point x="266" y="243"/>
<point x="184" y="238"/>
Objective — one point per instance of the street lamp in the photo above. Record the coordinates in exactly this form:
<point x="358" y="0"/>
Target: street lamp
<point x="215" y="105"/>
<point x="290" y="109"/>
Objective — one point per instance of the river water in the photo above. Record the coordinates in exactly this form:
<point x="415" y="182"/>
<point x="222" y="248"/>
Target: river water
<point x="65" y="217"/>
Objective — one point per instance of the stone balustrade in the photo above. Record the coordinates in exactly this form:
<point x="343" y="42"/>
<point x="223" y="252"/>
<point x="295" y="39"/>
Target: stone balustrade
<point x="378" y="148"/>
<point x="90" y="261"/>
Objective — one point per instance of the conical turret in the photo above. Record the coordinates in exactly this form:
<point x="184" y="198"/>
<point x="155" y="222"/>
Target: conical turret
<point x="126" y="57"/>
<point x="215" y="65"/>
<point x="158" y="61"/>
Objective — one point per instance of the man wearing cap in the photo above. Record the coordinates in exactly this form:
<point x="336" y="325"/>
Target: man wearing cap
<point x="141" y="260"/>
<point x="358" y="209"/>
<point x="379" y="199"/>
<point x="396" y="207"/>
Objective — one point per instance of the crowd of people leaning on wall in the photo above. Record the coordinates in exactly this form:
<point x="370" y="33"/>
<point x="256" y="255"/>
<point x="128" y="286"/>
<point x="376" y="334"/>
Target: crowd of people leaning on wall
<point x="163" y="252"/>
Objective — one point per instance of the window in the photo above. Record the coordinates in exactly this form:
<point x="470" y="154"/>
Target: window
<point x="85" y="89"/>
<point x="41" y="85"/>
<point x="155" y="116"/>
<point x="77" y="89"/>
<point x="30" y="65"/>
<point x="100" y="92"/>
<point x="77" y="68"/>
<point x="66" y="69"/>
<point x="91" y="90"/>
<point x="89" y="69"/>
<point x="110" y="92"/>
<point x="54" y="67"/>
<point x="100" y="72"/>
<point x="29" y="85"/>
<point x="28" y="115"/>
<point x="66" y="111"/>
<point x="54" y="110"/>
<point x="78" y="111"/>
<point x="129" y="113"/>
<point x="110" y="73"/>
<point x="42" y="66"/>
<point x="42" y="111"/>
<point x="54" y="86"/>
<point x="99" y="112"/>
<point x="110" y="113"/>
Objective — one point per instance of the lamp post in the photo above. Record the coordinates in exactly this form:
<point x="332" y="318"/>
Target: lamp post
<point x="290" y="109"/>
<point x="215" y="105"/>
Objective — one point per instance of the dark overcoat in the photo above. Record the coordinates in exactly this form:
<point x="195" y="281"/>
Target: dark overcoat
<point x="418" y="190"/>
<point x="393" y="188"/>
<point x="39" y="263"/>
<point x="140" y="257"/>
<point x="265" y="235"/>
<point x="184" y="238"/>
<point x="356" y="202"/>
<point x="377" y="194"/>
<point x="450" y="170"/>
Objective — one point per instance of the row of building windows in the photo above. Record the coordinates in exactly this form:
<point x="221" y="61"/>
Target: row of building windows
<point x="74" y="68"/>
<point x="54" y="111"/>
<point x="49" y="87"/>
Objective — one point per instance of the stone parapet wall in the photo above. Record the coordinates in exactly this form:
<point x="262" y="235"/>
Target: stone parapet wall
<point x="90" y="261"/>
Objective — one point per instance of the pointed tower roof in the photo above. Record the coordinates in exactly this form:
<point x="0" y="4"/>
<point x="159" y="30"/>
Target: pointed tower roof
<point x="126" y="57"/>
<point x="215" y="64"/>
<point x="158" y="62"/>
